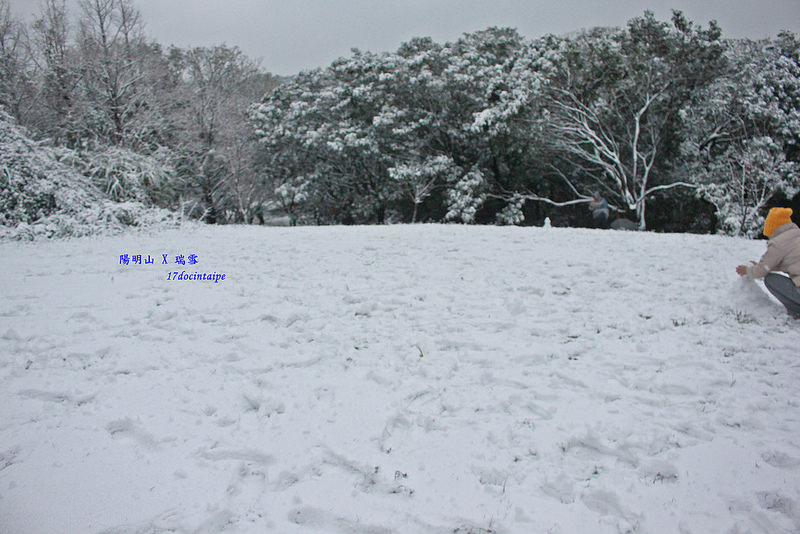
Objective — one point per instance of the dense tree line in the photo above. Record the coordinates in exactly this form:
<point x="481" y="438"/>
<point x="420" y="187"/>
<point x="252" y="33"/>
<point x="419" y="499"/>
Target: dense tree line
<point x="679" y="128"/>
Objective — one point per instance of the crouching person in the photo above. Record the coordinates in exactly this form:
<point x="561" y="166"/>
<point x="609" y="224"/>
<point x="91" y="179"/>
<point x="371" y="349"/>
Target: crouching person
<point x="783" y="254"/>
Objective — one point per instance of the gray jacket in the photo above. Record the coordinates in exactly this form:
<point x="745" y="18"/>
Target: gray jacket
<point x="783" y="254"/>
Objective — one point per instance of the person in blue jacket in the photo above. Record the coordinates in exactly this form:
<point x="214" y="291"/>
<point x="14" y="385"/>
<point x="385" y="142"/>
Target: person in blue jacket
<point x="599" y="208"/>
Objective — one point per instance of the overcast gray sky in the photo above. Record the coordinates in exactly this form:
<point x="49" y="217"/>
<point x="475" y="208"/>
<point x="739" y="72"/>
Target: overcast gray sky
<point x="293" y="35"/>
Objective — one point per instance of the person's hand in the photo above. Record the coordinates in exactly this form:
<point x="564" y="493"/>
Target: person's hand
<point x="741" y="270"/>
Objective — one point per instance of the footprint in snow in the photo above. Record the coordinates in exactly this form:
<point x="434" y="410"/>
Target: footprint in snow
<point x="309" y="516"/>
<point x="603" y="502"/>
<point x="561" y="489"/>
<point x="776" y="502"/>
<point x="127" y="428"/>
<point x="56" y="396"/>
<point x="780" y="460"/>
<point x="660" y="471"/>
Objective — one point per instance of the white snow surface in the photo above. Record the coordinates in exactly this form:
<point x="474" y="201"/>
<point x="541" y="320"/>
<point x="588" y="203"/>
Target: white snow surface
<point x="404" y="379"/>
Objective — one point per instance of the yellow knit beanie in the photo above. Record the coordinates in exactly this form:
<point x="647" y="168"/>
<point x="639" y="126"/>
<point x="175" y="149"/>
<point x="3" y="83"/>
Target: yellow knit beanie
<point x="777" y="217"/>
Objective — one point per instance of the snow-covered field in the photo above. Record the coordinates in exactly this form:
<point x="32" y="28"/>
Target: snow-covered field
<point x="406" y="379"/>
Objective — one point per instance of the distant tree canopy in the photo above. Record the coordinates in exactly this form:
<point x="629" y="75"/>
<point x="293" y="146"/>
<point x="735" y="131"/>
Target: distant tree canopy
<point x="680" y="129"/>
<point x="164" y="127"/>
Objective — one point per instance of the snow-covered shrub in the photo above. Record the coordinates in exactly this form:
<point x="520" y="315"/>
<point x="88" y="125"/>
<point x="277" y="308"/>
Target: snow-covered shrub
<point x="33" y="183"/>
<point x="103" y="217"/>
<point x="466" y="197"/>
<point x="292" y="192"/>
<point x="291" y="196"/>
<point x="42" y="193"/>
<point x="512" y="214"/>
<point x="126" y="175"/>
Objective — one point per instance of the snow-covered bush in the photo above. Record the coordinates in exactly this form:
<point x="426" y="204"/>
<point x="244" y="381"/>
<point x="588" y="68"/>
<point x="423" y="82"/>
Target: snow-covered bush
<point x="126" y="175"/>
<point x="33" y="183"/>
<point x="42" y="193"/>
<point x="512" y="214"/>
<point x="291" y="195"/>
<point x="292" y="192"/>
<point x="103" y="217"/>
<point x="466" y="197"/>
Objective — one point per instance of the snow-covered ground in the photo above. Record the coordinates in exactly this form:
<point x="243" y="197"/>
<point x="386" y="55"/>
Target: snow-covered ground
<point x="407" y="379"/>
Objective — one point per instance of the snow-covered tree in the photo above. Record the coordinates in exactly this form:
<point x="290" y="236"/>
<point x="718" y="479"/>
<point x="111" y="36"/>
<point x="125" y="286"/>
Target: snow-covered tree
<point x="111" y="42"/>
<point x="370" y="127"/>
<point x="748" y="175"/>
<point x="15" y="75"/>
<point x="418" y="180"/>
<point x="615" y="111"/>
<point x="321" y="126"/>
<point x="744" y="133"/>
<point x="215" y="90"/>
<point x="58" y="110"/>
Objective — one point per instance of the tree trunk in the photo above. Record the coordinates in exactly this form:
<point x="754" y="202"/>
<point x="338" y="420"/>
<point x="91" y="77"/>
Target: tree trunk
<point x="211" y="211"/>
<point x="640" y="214"/>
